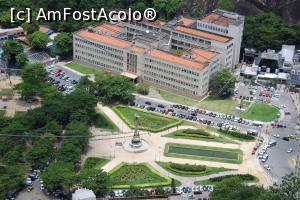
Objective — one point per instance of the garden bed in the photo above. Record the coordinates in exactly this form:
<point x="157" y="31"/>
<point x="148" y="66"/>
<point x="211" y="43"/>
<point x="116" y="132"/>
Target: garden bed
<point x="95" y="163"/>
<point x="147" y="121"/>
<point x="138" y="175"/>
<point x="197" y="134"/>
<point x="204" y="153"/>
<point x="102" y="121"/>
<point x="247" y="178"/>
<point x="188" y="170"/>
<point x="260" y="112"/>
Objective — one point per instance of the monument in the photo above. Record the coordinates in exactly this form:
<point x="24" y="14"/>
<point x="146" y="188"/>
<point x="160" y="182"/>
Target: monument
<point x="136" y="144"/>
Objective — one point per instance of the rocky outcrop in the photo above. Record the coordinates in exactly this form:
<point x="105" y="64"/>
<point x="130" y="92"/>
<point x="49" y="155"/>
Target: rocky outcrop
<point x="287" y="9"/>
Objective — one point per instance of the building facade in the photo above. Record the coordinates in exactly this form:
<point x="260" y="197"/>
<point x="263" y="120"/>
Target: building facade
<point x="297" y="168"/>
<point x="226" y="24"/>
<point x="107" y="47"/>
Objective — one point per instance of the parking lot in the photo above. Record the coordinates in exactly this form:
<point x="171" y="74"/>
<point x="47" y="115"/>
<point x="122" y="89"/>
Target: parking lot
<point x="63" y="79"/>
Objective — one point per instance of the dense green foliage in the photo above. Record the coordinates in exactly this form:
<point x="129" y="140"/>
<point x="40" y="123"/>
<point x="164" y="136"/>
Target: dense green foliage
<point x="63" y="45"/>
<point x="188" y="167"/>
<point x="226" y="5"/>
<point x="34" y="76"/>
<point x="31" y="28"/>
<point x="268" y="31"/>
<point x="234" y="188"/>
<point x="11" y="49"/>
<point x="261" y="112"/>
<point x="21" y="60"/>
<point x="237" y="135"/>
<point x="38" y="41"/>
<point x="222" y="83"/>
<point x="167" y="9"/>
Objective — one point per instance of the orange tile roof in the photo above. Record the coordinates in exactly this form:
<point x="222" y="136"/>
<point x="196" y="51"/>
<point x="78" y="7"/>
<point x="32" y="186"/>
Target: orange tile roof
<point x="176" y="59"/>
<point x="43" y="29"/>
<point x="137" y="49"/>
<point x="202" y="55"/>
<point x="217" y="19"/>
<point x="113" y="29"/>
<point x="104" y="39"/>
<point x="186" y="21"/>
<point x="203" y="34"/>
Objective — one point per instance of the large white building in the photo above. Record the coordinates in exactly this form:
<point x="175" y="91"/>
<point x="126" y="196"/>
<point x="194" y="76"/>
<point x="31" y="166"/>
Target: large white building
<point x="107" y="47"/>
<point x="226" y="24"/>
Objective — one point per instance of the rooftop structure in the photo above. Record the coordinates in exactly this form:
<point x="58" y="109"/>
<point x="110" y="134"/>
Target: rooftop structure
<point x="11" y="33"/>
<point x="186" y="21"/>
<point x="223" y="18"/>
<point x="83" y="194"/>
<point x="203" y="34"/>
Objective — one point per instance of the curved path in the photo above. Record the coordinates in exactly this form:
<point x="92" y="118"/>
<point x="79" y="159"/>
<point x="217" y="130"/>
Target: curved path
<point x="106" y="146"/>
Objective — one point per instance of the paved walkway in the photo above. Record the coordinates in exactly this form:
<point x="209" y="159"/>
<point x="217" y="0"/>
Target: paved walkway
<point x="189" y="181"/>
<point x="106" y="146"/>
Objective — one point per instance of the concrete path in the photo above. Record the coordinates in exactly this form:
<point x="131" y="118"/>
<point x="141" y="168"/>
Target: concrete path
<point x="189" y="181"/>
<point x="108" y="146"/>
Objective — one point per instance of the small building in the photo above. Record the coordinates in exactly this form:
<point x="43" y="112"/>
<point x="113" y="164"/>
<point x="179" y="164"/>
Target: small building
<point x="83" y="194"/>
<point x="295" y="78"/>
<point x="11" y="33"/>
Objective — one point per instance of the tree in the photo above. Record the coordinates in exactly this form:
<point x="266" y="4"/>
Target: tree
<point x="64" y="44"/>
<point x="40" y="153"/>
<point x="226" y="5"/>
<point x="112" y="89"/>
<point x="268" y="31"/>
<point x="34" y="76"/>
<point x="222" y="83"/>
<point x="38" y="41"/>
<point x="173" y="185"/>
<point x="12" y="157"/>
<point x="52" y="127"/>
<point x="290" y="187"/>
<point x="31" y="28"/>
<point x="11" y="49"/>
<point x="96" y="180"/>
<point x="60" y="175"/>
<point x="21" y="60"/>
<point x="167" y="9"/>
<point x="135" y="191"/>
<point x="143" y="88"/>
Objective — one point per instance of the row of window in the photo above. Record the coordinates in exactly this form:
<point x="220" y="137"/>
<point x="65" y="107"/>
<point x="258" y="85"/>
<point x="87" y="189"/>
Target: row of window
<point x="180" y="36"/>
<point x="99" y="45"/>
<point x="98" y="64"/>
<point x="211" y="27"/>
<point x="98" y="57"/>
<point x="100" y="51"/>
<point x="169" y="85"/>
<point x="171" y="67"/>
<point x="170" y="79"/>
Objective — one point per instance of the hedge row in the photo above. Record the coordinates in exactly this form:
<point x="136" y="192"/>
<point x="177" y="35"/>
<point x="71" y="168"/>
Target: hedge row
<point x="244" y="177"/>
<point x="187" y="167"/>
<point x="237" y="134"/>
<point x="196" y="132"/>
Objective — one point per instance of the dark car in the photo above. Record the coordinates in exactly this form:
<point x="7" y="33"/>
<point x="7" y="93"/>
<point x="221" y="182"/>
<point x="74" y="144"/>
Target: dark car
<point x="74" y="82"/>
<point x="285" y="138"/>
<point x="161" y="106"/>
<point x="148" y="103"/>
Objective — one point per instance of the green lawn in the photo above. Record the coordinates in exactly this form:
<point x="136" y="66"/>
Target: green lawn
<point x="176" y="98"/>
<point x="247" y="178"/>
<point x="197" y="134"/>
<point x="84" y="69"/>
<point x="147" y="120"/>
<point x="204" y="153"/>
<point x="261" y="112"/>
<point x="6" y="92"/>
<point x="226" y="106"/>
<point x="191" y="173"/>
<point x="102" y="121"/>
<point x="139" y="175"/>
<point x="95" y="163"/>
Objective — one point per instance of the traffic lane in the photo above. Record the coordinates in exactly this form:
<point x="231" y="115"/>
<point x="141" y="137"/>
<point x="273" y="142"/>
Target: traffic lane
<point x="279" y="159"/>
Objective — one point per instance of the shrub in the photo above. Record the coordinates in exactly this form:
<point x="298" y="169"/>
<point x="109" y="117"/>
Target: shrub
<point x="188" y="167"/>
<point x="196" y="131"/>
<point x="237" y="134"/>
<point x="143" y="88"/>
<point x="244" y="177"/>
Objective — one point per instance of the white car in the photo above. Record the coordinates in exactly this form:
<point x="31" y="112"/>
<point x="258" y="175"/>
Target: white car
<point x="276" y="136"/>
<point x="290" y="150"/>
<point x="267" y="167"/>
